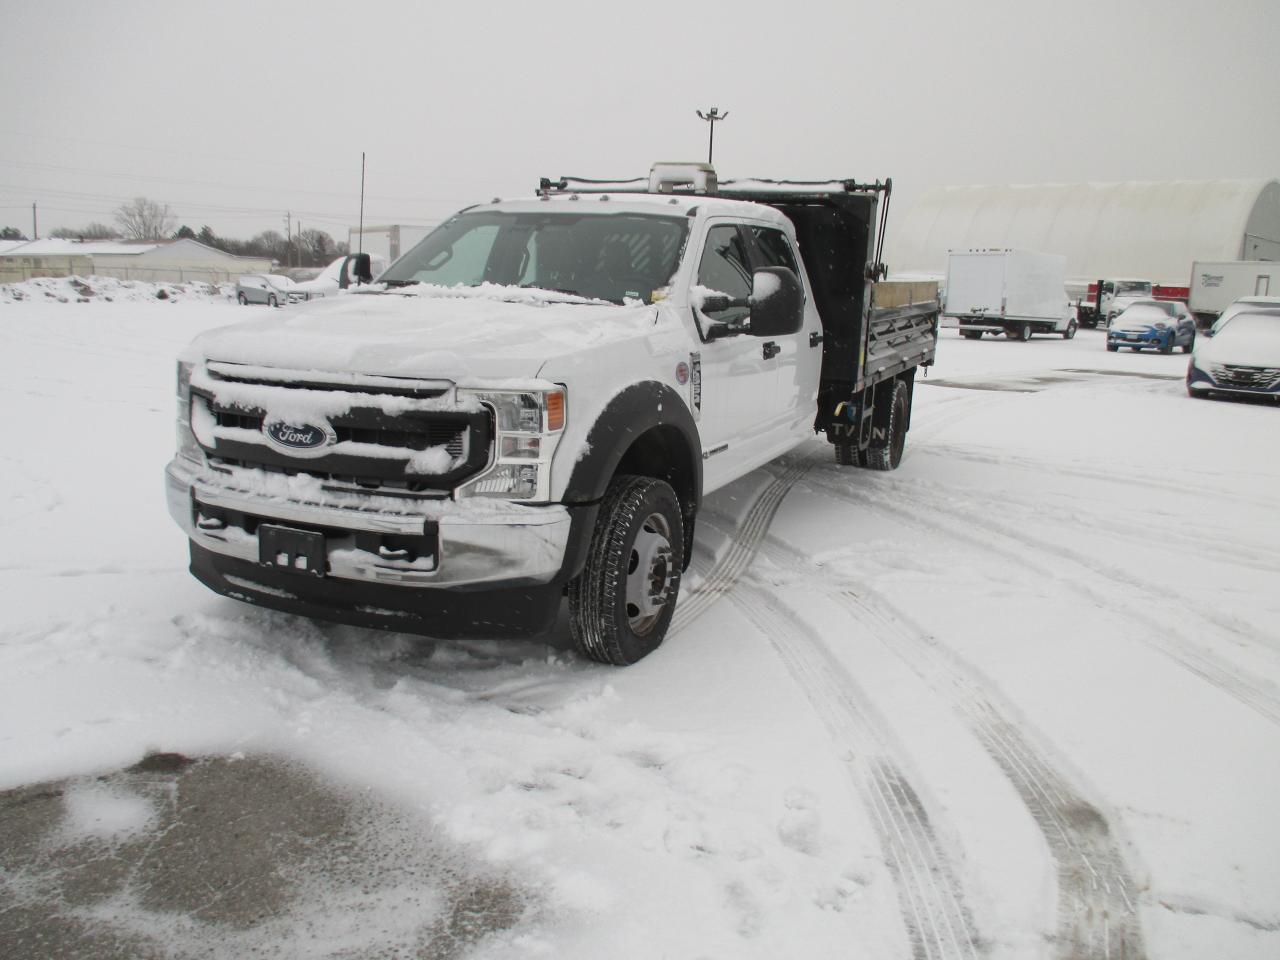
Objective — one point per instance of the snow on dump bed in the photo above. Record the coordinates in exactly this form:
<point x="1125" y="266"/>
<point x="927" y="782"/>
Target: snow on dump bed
<point x="108" y="289"/>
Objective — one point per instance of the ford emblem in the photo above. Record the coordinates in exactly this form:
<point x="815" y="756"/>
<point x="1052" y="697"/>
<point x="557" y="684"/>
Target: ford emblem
<point x="297" y="436"/>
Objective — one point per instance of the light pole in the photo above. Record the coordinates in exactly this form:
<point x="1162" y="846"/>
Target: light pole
<point x="711" y="117"/>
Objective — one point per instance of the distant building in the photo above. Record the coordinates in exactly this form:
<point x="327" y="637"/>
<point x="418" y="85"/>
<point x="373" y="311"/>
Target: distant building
<point x="158" y="260"/>
<point x="1151" y="231"/>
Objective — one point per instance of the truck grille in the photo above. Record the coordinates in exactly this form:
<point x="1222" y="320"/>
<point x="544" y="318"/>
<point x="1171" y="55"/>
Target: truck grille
<point x="1248" y="378"/>
<point x="451" y="436"/>
<point x="416" y="420"/>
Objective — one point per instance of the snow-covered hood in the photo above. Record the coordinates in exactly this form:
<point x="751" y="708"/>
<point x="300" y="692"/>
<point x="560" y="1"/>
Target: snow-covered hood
<point x="1251" y="348"/>
<point x="463" y="335"/>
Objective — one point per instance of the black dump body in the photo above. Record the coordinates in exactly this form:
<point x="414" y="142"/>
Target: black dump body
<point x="864" y="343"/>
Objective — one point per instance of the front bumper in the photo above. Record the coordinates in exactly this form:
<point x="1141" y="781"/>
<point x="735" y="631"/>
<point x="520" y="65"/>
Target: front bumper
<point x="1151" y="338"/>
<point x="476" y="544"/>
<point x="1202" y="382"/>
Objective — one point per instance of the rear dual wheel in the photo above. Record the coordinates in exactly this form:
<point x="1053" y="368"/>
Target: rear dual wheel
<point x="885" y="450"/>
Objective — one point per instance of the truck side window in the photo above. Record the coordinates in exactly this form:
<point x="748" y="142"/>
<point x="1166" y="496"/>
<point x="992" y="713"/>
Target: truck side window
<point x="725" y="269"/>
<point x="774" y="249"/>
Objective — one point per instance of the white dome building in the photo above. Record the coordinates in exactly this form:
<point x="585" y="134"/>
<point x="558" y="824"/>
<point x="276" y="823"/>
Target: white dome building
<point x="1149" y="230"/>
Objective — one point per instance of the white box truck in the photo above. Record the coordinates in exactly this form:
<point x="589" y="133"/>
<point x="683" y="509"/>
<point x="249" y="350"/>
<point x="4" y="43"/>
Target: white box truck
<point x="388" y="241"/>
<point x="1014" y="292"/>
<point x="1216" y="284"/>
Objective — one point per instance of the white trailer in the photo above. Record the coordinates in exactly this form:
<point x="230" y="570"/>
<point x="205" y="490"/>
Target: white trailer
<point x="1014" y="292"/>
<point x="388" y="241"/>
<point x="1215" y="284"/>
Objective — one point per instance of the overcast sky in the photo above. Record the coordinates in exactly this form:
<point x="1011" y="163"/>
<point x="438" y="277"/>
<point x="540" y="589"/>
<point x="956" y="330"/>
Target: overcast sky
<point x="235" y="113"/>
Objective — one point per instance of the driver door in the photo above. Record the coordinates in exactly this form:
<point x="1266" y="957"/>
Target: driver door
<point x="738" y="380"/>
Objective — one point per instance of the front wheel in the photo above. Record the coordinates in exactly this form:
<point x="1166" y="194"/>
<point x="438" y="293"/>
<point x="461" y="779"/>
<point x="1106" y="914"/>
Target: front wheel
<point x="1167" y="346"/>
<point x="1190" y="344"/>
<point x="271" y="301"/>
<point x="244" y="301"/>
<point x="1112" y="348"/>
<point x="621" y="604"/>
<point x="1070" y="332"/>
<point x="971" y="334"/>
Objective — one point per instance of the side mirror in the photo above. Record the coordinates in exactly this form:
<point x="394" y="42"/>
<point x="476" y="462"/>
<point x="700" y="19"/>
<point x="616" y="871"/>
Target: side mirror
<point x="776" y="302"/>
<point x="364" y="268"/>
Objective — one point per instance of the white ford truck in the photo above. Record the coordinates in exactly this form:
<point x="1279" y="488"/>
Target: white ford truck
<point x="532" y="402"/>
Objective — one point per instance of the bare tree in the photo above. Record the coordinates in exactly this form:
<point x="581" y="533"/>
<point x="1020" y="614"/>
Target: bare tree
<point x="94" y="231"/>
<point x="143" y="219"/>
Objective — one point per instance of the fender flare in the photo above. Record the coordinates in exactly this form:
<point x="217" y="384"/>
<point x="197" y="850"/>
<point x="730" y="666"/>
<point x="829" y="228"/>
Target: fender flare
<point x="633" y="412"/>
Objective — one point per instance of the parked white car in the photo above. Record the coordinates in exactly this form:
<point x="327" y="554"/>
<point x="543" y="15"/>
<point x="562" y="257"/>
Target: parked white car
<point x="269" y="288"/>
<point x="1240" y="355"/>
<point x="339" y="275"/>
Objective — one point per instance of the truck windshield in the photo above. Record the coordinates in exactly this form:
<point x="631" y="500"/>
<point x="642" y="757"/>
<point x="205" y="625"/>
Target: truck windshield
<point x="615" y="257"/>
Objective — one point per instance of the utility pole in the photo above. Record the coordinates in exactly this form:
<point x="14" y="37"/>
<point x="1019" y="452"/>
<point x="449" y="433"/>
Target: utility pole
<point x="360" y="235"/>
<point x="35" y="231"/>
<point x="711" y="117"/>
<point x="288" y="238"/>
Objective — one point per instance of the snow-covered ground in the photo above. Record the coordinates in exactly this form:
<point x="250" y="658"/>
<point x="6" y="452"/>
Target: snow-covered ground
<point x="1019" y="698"/>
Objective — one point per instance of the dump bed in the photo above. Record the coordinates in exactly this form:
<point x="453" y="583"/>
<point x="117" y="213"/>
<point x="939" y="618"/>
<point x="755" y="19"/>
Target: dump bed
<point x="871" y="331"/>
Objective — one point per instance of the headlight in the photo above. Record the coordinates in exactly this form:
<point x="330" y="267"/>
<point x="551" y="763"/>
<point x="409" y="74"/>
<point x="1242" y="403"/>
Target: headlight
<point x="188" y="446"/>
<point x="527" y="426"/>
<point x="1162" y="325"/>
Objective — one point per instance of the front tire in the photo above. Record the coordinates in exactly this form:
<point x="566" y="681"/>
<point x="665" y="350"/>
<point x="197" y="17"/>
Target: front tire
<point x="1070" y="332"/>
<point x="885" y="450"/>
<point x="272" y="302"/>
<point x="1113" y="348"/>
<point x="1190" y="344"/>
<point x="244" y="301"/>
<point x="621" y="604"/>
<point x="971" y="334"/>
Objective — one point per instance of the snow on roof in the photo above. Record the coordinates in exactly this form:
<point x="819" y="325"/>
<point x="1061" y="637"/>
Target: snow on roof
<point x="1149" y="230"/>
<point x="677" y="205"/>
<point x="7" y="245"/>
<point x="53" y="247"/>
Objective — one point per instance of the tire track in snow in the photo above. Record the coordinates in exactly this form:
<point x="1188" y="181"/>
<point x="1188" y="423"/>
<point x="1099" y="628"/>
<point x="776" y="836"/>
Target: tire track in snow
<point x="1097" y="917"/>
<point x="939" y="514"/>
<point x="938" y="924"/>
<point x="726" y="570"/>
<point x="1126" y="479"/>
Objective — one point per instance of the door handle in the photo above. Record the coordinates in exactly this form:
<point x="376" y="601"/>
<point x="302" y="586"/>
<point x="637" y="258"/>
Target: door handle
<point x="815" y="338"/>
<point x="771" y="350"/>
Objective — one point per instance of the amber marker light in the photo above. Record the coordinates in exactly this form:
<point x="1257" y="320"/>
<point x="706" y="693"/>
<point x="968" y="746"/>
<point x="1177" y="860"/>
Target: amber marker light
<point x="555" y="411"/>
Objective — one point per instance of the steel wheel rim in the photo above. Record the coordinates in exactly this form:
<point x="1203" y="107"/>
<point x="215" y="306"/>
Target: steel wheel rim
<point x="651" y="574"/>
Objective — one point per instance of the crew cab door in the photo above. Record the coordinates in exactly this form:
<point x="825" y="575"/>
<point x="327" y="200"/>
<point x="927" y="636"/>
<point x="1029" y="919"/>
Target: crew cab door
<point x="799" y="355"/>
<point x="738" y="379"/>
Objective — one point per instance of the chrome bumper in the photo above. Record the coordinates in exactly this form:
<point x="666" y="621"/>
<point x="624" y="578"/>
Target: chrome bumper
<point x="496" y="543"/>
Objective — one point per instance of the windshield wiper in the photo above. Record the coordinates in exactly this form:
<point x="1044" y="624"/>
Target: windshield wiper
<point x="400" y="283"/>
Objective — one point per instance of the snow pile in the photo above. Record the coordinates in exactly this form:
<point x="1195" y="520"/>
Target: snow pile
<point x="1014" y="700"/>
<point x="109" y="290"/>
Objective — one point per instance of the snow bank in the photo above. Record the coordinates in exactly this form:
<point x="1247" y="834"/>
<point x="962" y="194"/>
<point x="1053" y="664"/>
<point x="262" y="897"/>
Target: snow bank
<point x="109" y="290"/>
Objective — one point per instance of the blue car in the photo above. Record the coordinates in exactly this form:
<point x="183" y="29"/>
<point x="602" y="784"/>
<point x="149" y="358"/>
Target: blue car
<point x="1153" y="325"/>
